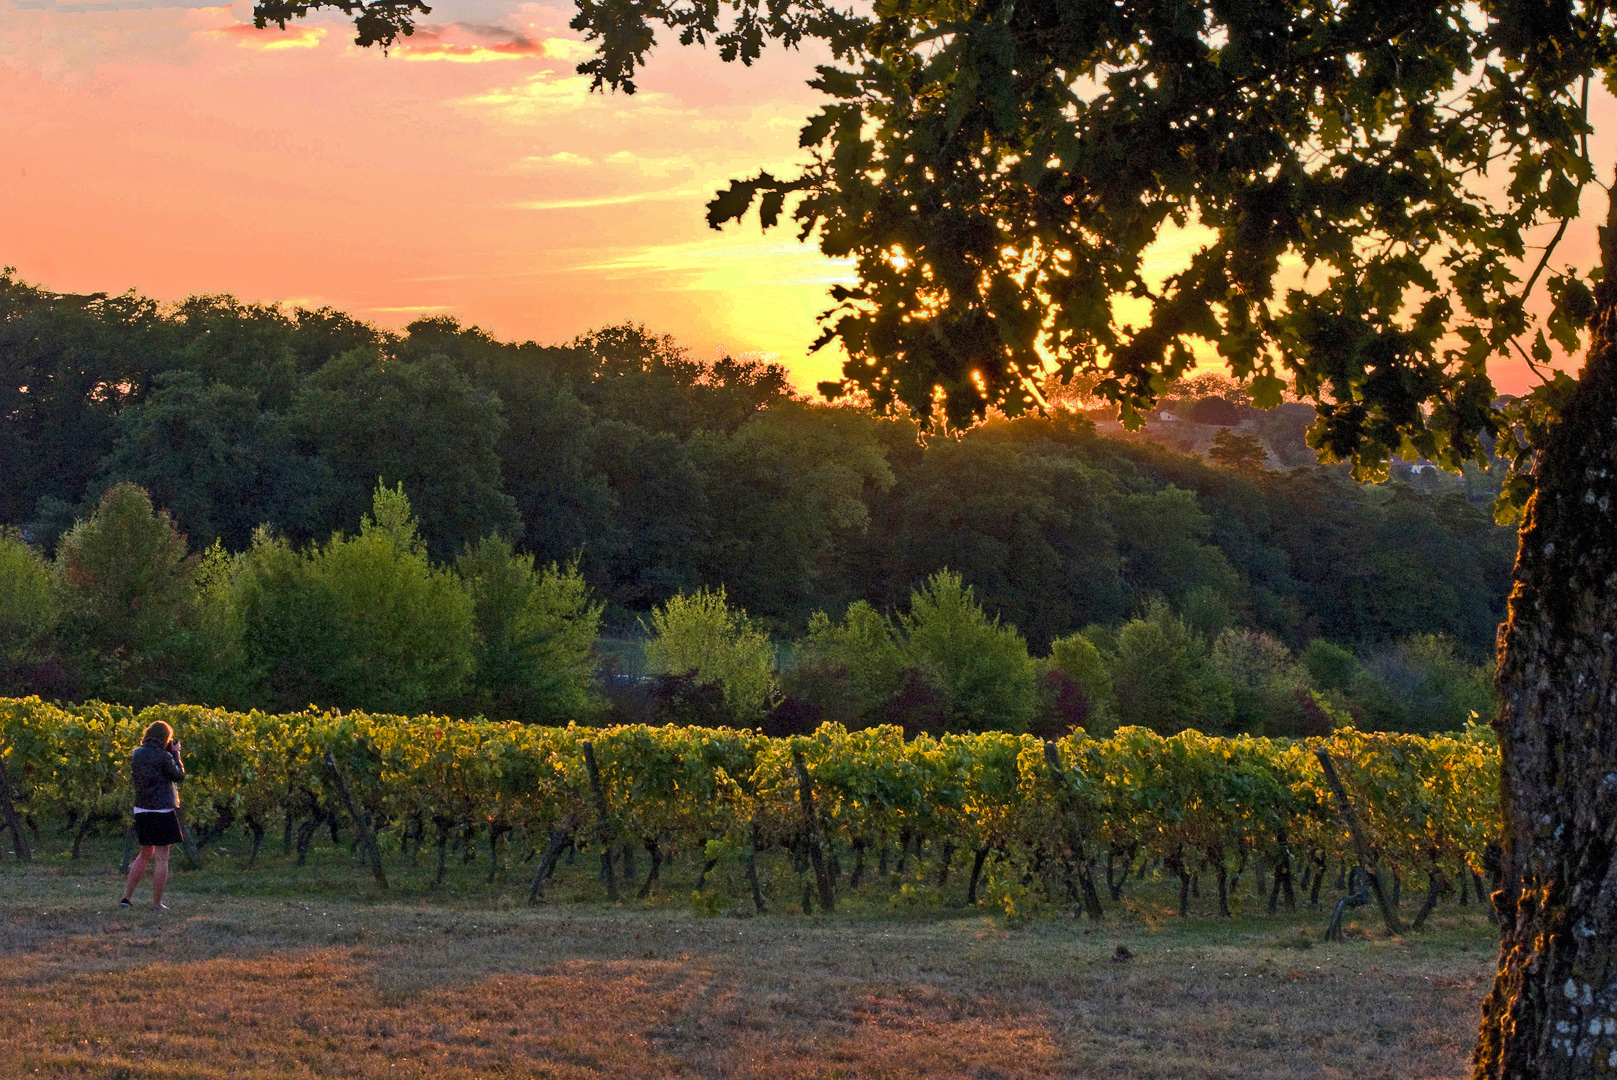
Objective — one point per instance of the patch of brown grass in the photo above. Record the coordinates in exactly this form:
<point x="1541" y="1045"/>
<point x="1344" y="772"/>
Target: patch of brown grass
<point x="244" y="987"/>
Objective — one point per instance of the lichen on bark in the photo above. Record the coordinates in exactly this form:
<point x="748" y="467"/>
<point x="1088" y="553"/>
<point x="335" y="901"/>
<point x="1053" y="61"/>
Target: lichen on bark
<point x="1553" y="1008"/>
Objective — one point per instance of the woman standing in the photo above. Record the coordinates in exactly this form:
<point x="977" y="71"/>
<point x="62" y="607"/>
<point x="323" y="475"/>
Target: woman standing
<point x="156" y="768"/>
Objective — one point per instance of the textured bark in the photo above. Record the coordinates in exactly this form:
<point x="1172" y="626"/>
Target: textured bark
<point x="654" y="851"/>
<point x="1075" y="840"/>
<point x="1367" y="860"/>
<point x="257" y="829"/>
<point x="558" y="840"/>
<point x="977" y="873"/>
<point x="361" y="824"/>
<point x="19" y="841"/>
<point x="605" y="825"/>
<point x="811" y="833"/>
<point x="752" y="870"/>
<point x="188" y="841"/>
<point x="1553" y="1009"/>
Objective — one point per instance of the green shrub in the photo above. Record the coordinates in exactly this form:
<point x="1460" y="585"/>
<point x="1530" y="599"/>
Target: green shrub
<point x="126" y="588"/>
<point x="404" y="627"/>
<point x="1330" y="666"/>
<point x="1421" y="684"/>
<point x="28" y="611"/>
<point x="1163" y="680"/>
<point x="981" y="669"/>
<point x="535" y="635"/>
<point x="1077" y="658"/>
<point x="1266" y="682"/>
<point x="851" y="668"/>
<point x="363" y="621"/>
<point x="697" y="633"/>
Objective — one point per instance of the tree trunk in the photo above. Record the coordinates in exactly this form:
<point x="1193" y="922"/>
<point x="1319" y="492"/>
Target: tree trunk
<point x="361" y="824"/>
<point x="1086" y="882"/>
<point x="656" y="854"/>
<point x="1115" y="886"/>
<point x="707" y="868"/>
<point x="1221" y="876"/>
<point x="306" y="833"/>
<point x="188" y="841"/>
<point x="256" y="827"/>
<point x="811" y="835"/>
<point x="18" y="841"/>
<point x="976" y="873"/>
<point x="1367" y="861"/>
<point x="547" y="864"/>
<point x="1176" y="863"/>
<point x="443" y="826"/>
<point x="1434" y="890"/>
<point x="495" y="831"/>
<point x="1553" y="1009"/>
<point x="1075" y="840"/>
<point x="78" y="837"/>
<point x="605" y="824"/>
<point x="752" y="870"/>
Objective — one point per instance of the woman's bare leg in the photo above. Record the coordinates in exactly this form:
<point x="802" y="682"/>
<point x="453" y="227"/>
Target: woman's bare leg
<point x="137" y="870"/>
<point x="159" y="874"/>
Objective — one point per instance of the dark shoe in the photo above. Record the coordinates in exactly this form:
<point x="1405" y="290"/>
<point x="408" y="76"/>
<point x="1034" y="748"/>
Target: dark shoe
<point x="125" y="902"/>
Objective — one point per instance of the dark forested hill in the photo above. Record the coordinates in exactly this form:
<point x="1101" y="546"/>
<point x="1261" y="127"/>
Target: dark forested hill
<point x="658" y="473"/>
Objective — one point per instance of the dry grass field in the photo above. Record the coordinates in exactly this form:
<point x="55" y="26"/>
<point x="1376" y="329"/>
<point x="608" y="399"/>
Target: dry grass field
<point x="282" y="973"/>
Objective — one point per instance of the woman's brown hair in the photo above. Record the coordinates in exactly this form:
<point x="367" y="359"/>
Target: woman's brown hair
<point x="157" y="734"/>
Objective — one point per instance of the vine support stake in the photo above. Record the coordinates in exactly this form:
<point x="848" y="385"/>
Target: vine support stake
<point x="366" y="836"/>
<point x="811" y="823"/>
<point x="599" y="790"/>
<point x="1350" y="818"/>
<point x="13" y="822"/>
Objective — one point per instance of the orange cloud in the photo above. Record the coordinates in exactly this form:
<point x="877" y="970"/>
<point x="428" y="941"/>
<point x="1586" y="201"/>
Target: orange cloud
<point x="295" y="37"/>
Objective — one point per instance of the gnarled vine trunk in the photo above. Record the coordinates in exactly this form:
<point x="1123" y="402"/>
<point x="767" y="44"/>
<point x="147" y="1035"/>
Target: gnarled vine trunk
<point x="1553" y="1009"/>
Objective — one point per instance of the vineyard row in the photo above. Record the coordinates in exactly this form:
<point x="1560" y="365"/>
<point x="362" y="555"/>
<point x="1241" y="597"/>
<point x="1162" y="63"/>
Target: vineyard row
<point x="1033" y="823"/>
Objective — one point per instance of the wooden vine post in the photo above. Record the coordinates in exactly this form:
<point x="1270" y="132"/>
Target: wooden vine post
<point x="366" y="836"/>
<point x="1350" y="818"/>
<point x="811" y="825"/>
<point x="599" y="790"/>
<point x="13" y="821"/>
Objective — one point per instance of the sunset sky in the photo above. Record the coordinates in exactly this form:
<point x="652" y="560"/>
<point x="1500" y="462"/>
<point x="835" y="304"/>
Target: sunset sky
<point x="175" y="150"/>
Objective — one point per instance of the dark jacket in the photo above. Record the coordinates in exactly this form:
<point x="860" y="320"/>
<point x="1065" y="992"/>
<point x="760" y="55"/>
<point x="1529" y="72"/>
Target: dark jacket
<point x="156" y="771"/>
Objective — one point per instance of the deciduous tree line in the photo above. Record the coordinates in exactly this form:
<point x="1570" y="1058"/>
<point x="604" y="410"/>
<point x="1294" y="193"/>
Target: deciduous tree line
<point x="944" y="665"/>
<point x="125" y="612"/>
<point x="659" y="474"/>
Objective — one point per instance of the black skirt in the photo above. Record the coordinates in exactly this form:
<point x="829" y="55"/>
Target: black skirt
<point x="157" y="830"/>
